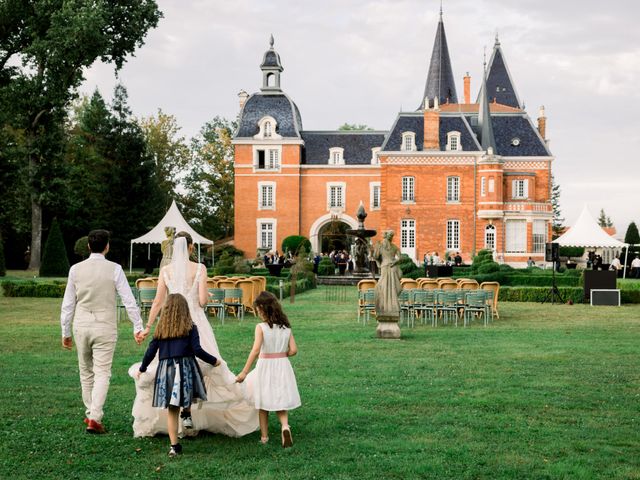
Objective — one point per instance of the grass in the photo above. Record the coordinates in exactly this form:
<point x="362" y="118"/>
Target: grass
<point x="545" y="392"/>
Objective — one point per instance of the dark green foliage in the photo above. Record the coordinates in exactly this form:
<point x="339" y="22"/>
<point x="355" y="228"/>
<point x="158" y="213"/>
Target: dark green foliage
<point x="326" y="267"/>
<point x="538" y="294"/>
<point x="506" y="268"/>
<point x="604" y="220"/>
<point x="229" y="250"/>
<point x="488" y="267"/>
<point x="225" y="265"/>
<point x="302" y="285"/>
<point x="571" y="251"/>
<point x="484" y="260"/>
<point x="557" y="221"/>
<point x="632" y="236"/>
<point x="81" y="248"/>
<point x="3" y="268"/>
<point x="54" y="259"/>
<point x="31" y="288"/>
<point x="406" y="264"/>
<point x="240" y="265"/>
<point x="294" y="242"/>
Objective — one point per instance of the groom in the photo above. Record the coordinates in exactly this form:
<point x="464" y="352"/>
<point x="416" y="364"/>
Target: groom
<point x="90" y="299"/>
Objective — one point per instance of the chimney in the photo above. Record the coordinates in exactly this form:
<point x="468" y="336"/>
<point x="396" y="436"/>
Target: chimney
<point x="467" y="88"/>
<point x="242" y="95"/>
<point x="431" y="125"/>
<point x="542" y="123"/>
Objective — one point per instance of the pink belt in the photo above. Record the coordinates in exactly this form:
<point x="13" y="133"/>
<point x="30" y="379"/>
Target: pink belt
<point x="273" y="355"/>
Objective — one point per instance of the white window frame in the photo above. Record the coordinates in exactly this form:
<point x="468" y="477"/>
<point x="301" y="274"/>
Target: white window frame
<point x="408" y="142"/>
<point x="453" y="234"/>
<point x="268" y="149"/>
<point x="373" y="187"/>
<point x="374" y="155"/>
<point x="261" y="204"/>
<point x="538" y="236"/>
<point x="408" y="237"/>
<point x="520" y="189"/>
<point x="408" y="189"/>
<point x="492" y="185"/>
<point x="336" y="156"/>
<point x="274" y="229"/>
<point x="343" y="187"/>
<point x="451" y="138"/>
<point x="453" y="189"/>
<point x="262" y="130"/>
<point x="483" y="186"/>
<point x="515" y="236"/>
<point x="490" y="231"/>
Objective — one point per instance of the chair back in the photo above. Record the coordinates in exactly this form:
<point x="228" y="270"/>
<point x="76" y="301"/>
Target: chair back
<point x="145" y="283"/>
<point x="212" y="283"/>
<point x="366" y="284"/>
<point x="257" y="286"/>
<point x="468" y="284"/>
<point x="442" y="280"/>
<point x="448" y="297"/>
<point x="369" y="297"/>
<point x="216" y="296"/>
<point x="476" y="299"/>
<point x="146" y="295"/>
<point x="247" y="293"/>
<point x="408" y="284"/>
<point x="233" y="295"/>
<point x="226" y="284"/>
<point x="448" y="285"/>
<point x="428" y="284"/>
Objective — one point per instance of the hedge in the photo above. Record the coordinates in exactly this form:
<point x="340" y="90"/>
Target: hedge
<point x="30" y="288"/>
<point x="302" y="285"/>
<point x="538" y="294"/>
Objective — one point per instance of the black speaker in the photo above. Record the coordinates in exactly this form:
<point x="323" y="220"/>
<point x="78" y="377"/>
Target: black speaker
<point x="600" y="280"/>
<point x="551" y="252"/>
<point x="605" y="297"/>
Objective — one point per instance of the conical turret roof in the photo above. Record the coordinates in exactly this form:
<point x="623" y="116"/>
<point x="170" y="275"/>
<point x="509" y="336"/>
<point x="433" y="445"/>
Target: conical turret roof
<point x="500" y="86"/>
<point x="440" y="83"/>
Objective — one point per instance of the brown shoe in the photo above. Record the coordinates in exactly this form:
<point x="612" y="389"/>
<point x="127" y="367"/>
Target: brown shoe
<point x="95" y="427"/>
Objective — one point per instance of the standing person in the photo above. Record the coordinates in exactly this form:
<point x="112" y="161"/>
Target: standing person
<point x="458" y="259"/>
<point x="178" y="379"/>
<point x="90" y="300"/>
<point x="225" y="410"/>
<point x="635" y="267"/>
<point x="272" y="385"/>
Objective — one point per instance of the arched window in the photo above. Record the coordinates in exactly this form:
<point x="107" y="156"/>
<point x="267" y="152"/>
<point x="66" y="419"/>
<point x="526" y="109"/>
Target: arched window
<point x="453" y="141"/>
<point x="336" y="156"/>
<point x="267" y="129"/>
<point x="490" y="237"/>
<point x="271" y="80"/>
<point x="408" y="142"/>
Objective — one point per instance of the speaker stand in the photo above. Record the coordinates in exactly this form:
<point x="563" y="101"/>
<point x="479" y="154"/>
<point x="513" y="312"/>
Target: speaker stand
<point x="553" y="293"/>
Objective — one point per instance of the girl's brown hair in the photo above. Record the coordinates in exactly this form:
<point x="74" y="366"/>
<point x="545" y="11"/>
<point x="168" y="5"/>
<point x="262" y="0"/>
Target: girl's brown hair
<point x="271" y="310"/>
<point x="175" y="319"/>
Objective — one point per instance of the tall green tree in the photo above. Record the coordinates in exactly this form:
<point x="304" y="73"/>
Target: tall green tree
<point x="557" y="223"/>
<point x="604" y="220"/>
<point x="55" y="262"/>
<point x="45" y="48"/>
<point x="632" y="237"/>
<point x="208" y="202"/>
<point x="3" y="268"/>
<point x="354" y="126"/>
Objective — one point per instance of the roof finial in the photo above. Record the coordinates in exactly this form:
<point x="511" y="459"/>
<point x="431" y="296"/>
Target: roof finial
<point x="484" y="61"/>
<point x="497" y="38"/>
<point x="271" y="41"/>
<point x="440" y="10"/>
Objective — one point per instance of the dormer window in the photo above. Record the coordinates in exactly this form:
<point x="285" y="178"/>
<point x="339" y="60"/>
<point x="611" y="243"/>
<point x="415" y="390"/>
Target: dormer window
<point x="374" y="155"/>
<point x="453" y="141"/>
<point x="267" y="128"/>
<point x="336" y="156"/>
<point x="408" y="142"/>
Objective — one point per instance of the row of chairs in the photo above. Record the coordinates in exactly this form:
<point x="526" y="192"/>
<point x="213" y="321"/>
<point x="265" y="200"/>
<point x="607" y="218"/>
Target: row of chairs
<point x="448" y="305"/>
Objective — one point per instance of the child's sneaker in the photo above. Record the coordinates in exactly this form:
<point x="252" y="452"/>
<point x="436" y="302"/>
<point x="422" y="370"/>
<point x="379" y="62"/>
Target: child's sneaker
<point x="175" y="450"/>
<point x="187" y="421"/>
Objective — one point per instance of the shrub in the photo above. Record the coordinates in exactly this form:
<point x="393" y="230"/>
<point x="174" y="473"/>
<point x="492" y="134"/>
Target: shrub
<point x="3" y="268"/>
<point x="483" y="257"/>
<point x="538" y="294"/>
<point x="405" y="264"/>
<point x="240" y="265"/>
<point x="294" y="243"/>
<point x="225" y="265"/>
<point x="81" y="248"/>
<point x="326" y="267"/>
<point x="54" y="260"/>
<point x="302" y="285"/>
<point x="229" y="250"/>
<point x="488" y="267"/>
<point x="30" y="288"/>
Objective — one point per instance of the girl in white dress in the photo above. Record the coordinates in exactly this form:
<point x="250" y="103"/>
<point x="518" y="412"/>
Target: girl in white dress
<point x="271" y="386"/>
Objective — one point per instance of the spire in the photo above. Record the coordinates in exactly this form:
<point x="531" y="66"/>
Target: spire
<point x="440" y="81"/>
<point x="271" y="68"/>
<point x="500" y="86"/>
<point x="487" y="139"/>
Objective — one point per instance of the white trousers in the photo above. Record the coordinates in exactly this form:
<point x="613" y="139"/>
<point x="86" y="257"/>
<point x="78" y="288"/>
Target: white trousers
<point x="95" y="354"/>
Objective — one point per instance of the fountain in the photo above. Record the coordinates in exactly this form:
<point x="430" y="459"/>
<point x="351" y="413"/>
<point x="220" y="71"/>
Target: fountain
<point x="361" y="235"/>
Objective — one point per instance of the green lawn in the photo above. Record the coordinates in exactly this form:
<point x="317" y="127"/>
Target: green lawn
<point x="544" y="392"/>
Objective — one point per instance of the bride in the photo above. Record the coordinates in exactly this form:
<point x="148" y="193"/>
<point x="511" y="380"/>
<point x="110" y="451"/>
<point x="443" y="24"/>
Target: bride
<point x="225" y="410"/>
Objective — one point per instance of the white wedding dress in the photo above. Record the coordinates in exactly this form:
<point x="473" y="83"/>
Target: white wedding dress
<point x="226" y="411"/>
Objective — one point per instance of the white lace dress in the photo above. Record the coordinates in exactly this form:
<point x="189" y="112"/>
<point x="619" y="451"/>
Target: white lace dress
<point x="225" y="411"/>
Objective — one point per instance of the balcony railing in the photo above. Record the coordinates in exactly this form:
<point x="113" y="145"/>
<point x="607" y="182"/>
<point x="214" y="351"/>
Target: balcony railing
<point x="527" y="207"/>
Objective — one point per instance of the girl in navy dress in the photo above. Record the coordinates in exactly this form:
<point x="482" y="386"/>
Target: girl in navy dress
<point x="178" y="377"/>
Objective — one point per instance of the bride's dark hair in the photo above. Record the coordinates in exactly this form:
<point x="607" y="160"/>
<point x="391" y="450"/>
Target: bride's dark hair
<point x="271" y="310"/>
<point x="186" y="235"/>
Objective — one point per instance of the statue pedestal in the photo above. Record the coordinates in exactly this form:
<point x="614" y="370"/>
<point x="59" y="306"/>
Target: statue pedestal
<point x="388" y="327"/>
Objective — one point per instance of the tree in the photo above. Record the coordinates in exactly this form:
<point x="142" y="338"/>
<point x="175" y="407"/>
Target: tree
<point x="354" y="126"/>
<point x="558" y="219"/>
<point x="45" y="48"/>
<point x="632" y="237"/>
<point x="3" y="269"/>
<point x="603" y="220"/>
<point x="210" y="183"/>
<point x="169" y="151"/>
<point x="55" y="262"/>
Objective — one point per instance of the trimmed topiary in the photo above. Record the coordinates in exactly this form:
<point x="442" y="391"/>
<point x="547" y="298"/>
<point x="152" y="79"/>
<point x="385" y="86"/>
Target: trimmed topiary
<point x="224" y="265"/>
<point x="81" y="248"/>
<point x="326" y="267"/>
<point x="293" y="243"/>
<point x="54" y="260"/>
<point x="3" y="267"/>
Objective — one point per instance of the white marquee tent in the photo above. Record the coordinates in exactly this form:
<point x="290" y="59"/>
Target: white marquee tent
<point x="587" y="233"/>
<point x="173" y="218"/>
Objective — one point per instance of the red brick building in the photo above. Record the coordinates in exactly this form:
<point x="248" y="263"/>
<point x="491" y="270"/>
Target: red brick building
<point x="450" y="176"/>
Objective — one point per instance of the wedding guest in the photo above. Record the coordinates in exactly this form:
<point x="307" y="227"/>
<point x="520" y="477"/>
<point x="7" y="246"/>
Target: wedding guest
<point x="435" y="259"/>
<point x="635" y="267"/>
<point x="530" y="263"/>
<point x="178" y="379"/>
<point x="90" y="300"/>
<point x="615" y="264"/>
<point x="272" y="382"/>
<point x="457" y="259"/>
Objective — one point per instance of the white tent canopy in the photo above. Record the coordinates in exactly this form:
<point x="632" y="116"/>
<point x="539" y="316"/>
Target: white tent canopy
<point x="173" y="218"/>
<point x="587" y="233"/>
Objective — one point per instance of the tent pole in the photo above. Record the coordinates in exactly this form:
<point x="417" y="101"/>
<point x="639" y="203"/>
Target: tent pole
<point x="149" y="252"/>
<point x="213" y="254"/>
<point x="130" y="256"/>
<point x="198" y="253"/>
<point x="626" y="254"/>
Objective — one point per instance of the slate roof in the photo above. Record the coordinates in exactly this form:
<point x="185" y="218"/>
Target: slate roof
<point x="271" y="59"/>
<point x="277" y="105"/>
<point x="487" y="139"/>
<point x="508" y="127"/>
<point x="440" y="80"/>
<point x="499" y="83"/>
<point x="411" y="122"/>
<point x="357" y="146"/>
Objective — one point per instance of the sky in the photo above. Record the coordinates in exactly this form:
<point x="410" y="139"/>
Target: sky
<point x="362" y="61"/>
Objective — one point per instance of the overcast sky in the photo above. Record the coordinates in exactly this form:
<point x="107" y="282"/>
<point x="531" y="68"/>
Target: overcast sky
<point x="361" y="61"/>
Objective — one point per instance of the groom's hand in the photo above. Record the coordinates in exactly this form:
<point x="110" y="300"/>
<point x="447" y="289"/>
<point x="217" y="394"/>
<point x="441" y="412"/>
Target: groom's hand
<point x="139" y="337"/>
<point x="67" y="343"/>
